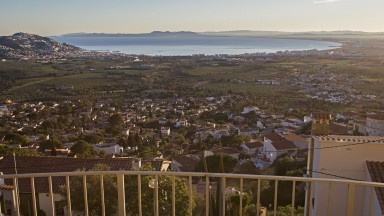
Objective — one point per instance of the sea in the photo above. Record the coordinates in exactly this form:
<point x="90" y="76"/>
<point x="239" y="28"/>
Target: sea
<point x="187" y="46"/>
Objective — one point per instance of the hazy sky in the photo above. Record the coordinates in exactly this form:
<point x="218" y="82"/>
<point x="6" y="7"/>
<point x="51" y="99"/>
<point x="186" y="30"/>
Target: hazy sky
<point x="54" y="17"/>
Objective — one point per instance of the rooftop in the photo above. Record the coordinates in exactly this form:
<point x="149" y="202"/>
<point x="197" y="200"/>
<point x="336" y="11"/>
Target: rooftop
<point x="342" y="138"/>
<point x="376" y="172"/>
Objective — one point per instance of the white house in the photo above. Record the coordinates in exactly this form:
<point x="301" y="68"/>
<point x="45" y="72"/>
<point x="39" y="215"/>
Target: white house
<point x="165" y="131"/>
<point x="252" y="148"/>
<point x="276" y="145"/>
<point x="109" y="148"/>
<point x="4" y="110"/>
<point x="375" y="124"/>
<point x="345" y="156"/>
<point x="181" y="123"/>
<point x="163" y="121"/>
<point x="249" y="109"/>
<point x="217" y="134"/>
<point x="125" y="132"/>
<point x="248" y="131"/>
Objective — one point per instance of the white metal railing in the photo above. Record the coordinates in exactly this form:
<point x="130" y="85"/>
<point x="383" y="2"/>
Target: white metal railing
<point x="188" y="176"/>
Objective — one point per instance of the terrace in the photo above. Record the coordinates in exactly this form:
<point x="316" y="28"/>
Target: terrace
<point x="168" y="197"/>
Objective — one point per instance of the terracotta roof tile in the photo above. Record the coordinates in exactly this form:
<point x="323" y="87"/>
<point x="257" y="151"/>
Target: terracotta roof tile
<point x="376" y="172"/>
<point x="256" y="144"/>
<point x="356" y="139"/>
<point x="26" y="164"/>
<point x="279" y="142"/>
<point x="377" y="116"/>
<point x="338" y="128"/>
<point x="188" y="162"/>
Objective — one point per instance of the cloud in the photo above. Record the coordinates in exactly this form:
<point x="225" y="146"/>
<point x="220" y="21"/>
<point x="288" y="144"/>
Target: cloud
<point x="326" y="1"/>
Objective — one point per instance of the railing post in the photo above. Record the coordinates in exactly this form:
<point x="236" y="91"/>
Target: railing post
<point x="51" y="196"/>
<point x="85" y="196"/>
<point x="157" y="195"/>
<point x="275" y="198"/>
<point x="173" y="196"/>
<point x="16" y="197"/>
<point x="371" y="200"/>
<point x="207" y="195"/>
<point x="190" y="195"/>
<point x="68" y="196"/>
<point x="139" y="195"/>
<point x="258" y="197"/>
<point x="33" y="190"/>
<point x="329" y="199"/>
<point x="241" y="198"/>
<point x="224" y="194"/>
<point x="121" y="194"/>
<point x="351" y="199"/>
<point x="102" y="195"/>
<point x="293" y="198"/>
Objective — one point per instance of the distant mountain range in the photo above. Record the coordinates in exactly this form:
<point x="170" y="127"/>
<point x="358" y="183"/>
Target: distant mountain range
<point x="24" y="44"/>
<point x="240" y="33"/>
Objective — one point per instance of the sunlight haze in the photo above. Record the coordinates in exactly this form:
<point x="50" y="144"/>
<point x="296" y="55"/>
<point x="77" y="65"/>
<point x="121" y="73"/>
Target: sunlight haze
<point x="120" y="16"/>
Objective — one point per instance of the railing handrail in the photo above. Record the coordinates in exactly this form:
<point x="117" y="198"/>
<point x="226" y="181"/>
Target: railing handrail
<point x="195" y="174"/>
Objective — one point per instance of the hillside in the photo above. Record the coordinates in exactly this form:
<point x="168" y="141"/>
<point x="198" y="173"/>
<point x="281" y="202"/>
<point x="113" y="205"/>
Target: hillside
<point x="31" y="45"/>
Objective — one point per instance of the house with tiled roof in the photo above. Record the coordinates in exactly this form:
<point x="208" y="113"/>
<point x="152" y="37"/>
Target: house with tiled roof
<point x="300" y="141"/>
<point x="231" y="151"/>
<point x="185" y="163"/>
<point x="252" y="148"/>
<point x="345" y="157"/>
<point x="276" y="145"/>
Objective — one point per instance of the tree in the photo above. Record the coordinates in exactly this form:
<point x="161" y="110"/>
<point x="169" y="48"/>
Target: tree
<point x="214" y="163"/>
<point x="115" y="120"/>
<point x="50" y="144"/>
<point x="94" y="193"/>
<point x="83" y="149"/>
<point x="6" y="150"/>
<point x="164" y="195"/>
<point x="93" y="138"/>
<point x="234" y="201"/>
<point x="14" y="138"/>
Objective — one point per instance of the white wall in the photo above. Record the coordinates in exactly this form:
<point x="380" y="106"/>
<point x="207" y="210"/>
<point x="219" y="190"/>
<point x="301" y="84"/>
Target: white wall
<point x="375" y="127"/>
<point x="342" y="161"/>
<point x="9" y="198"/>
<point x="269" y="150"/>
<point x="45" y="202"/>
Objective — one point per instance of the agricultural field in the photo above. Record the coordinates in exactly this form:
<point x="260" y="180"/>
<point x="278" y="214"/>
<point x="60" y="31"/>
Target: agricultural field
<point x="357" y="79"/>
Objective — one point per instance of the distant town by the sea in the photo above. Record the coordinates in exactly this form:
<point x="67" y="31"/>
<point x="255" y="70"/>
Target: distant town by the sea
<point x="185" y="46"/>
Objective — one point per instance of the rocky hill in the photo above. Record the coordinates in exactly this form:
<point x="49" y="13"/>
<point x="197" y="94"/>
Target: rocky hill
<point x="31" y="45"/>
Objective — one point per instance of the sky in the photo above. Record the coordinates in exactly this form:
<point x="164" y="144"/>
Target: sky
<point x="55" y="17"/>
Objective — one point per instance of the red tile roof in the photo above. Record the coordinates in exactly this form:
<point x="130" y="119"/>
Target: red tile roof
<point x="256" y="144"/>
<point x="376" y="172"/>
<point x="279" y="142"/>
<point x="377" y="116"/>
<point x="188" y="162"/>
<point x="26" y="164"/>
<point x="338" y="128"/>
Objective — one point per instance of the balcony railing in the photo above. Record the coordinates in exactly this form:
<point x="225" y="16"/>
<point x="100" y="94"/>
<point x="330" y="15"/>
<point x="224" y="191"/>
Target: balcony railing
<point x="121" y="179"/>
